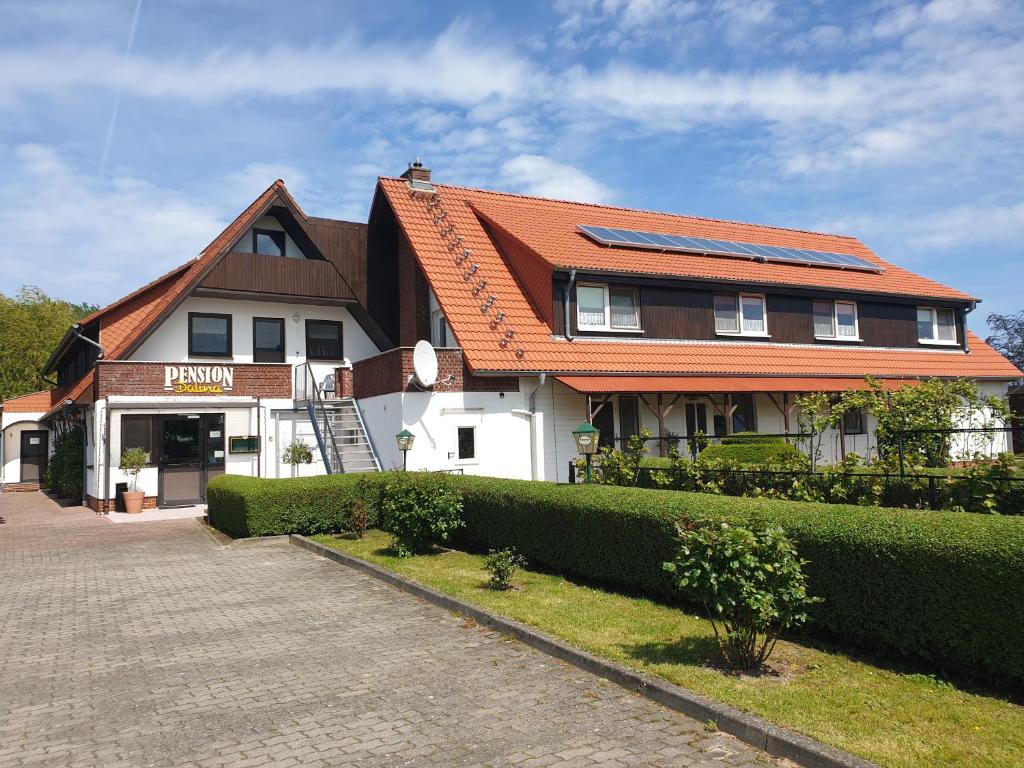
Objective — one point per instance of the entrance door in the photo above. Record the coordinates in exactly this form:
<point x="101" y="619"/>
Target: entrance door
<point x="181" y="460"/>
<point x="604" y="420"/>
<point x="33" y="455"/>
<point x="696" y="418"/>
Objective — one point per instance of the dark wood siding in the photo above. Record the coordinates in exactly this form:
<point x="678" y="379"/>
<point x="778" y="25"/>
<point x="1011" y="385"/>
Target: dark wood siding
<point x="274" y="275"/>
<point x="343" y="243"/>
<point x="686" y="311"/>
<point x="677" y="313"/>
<point x="887" y="325"/>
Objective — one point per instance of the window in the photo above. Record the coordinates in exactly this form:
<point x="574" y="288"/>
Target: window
<point x="323" y="340"/>
<point x="835" y="320"/>
<point x="600" y="307"/>
<point x="269" y="242"/>
<point x="625" y="311"/>
<point x="740" y="315"/>
<point x="853" y="422"/>
<point x="209" y="335"/>
<point x="440" y="333"/>
<point x="137" y="432"/>
<point x="466" y="439"/>
<point x="936" y="325"/>
<point x="268" y="340"/>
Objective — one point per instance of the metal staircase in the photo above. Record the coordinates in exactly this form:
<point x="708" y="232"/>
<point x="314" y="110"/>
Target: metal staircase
<point x="337" y="424"/>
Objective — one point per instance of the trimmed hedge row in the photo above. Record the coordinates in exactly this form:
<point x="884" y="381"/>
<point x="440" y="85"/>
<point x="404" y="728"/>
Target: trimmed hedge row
<point x="761" y="454"/>
<point x="254" y="506"/>
<point x="944" y="586"/>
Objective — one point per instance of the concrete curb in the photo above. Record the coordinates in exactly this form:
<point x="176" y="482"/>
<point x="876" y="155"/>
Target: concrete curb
<point x="747" y="728"/>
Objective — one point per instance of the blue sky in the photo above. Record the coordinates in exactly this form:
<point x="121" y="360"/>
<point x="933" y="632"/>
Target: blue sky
<point x="130" y="134"/>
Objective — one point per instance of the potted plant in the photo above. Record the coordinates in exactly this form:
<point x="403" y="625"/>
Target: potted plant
<point x="133" y="461"/>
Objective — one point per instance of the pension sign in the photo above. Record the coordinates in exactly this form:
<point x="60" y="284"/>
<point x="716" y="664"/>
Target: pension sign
<point x="199" y="379"/>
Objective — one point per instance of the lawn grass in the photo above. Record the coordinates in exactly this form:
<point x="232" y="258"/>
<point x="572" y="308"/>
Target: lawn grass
<point x="890" y="717"/>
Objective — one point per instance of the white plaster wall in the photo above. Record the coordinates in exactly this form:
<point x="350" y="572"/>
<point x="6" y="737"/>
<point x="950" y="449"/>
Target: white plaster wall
<point x="10" y="459"/>
<point x="502" y="437"/>
<point x="291" y="249"/>
<point x="169" y="343"/>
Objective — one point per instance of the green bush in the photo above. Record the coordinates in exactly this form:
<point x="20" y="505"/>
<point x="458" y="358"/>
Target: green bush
<point x="754" y="452"/>
<point x="502" y="565"/>
<point x="943" y="586"/>
<point x="252" y="506"/>
<point x="418" y="509"/>
<point x="64" y="468"/>
<point x="746" y="438"/>
<point x="750" y="583"/>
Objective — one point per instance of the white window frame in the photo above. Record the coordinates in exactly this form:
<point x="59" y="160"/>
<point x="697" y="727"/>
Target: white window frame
<point x="835" y="321"/>
<point x="607" y="324"/>
<point x="738" y="298"/>
<point x="476" y="445"/>
<point x="935" y="340"/>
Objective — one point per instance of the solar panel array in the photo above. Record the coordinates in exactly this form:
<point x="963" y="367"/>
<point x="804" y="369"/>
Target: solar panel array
<point x="631" y="238"/>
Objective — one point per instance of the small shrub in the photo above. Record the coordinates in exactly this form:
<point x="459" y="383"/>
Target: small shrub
<point x="360" y="517"/>
<point x="299" y="452"/>
<point x="418" y="510"/>
<point x="133" y="461"/>
<point x="758" y="453"/>
<point x="64" y="469"/>
<point x="751" y="583"/>
<point x="502" y="565"/>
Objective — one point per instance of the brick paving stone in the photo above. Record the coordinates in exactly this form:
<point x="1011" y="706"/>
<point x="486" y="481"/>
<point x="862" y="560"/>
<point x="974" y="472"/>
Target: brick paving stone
<point x="158" y="644"/>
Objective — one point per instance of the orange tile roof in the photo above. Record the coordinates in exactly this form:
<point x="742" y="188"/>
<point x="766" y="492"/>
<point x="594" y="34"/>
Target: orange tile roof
<point x="714" y="384"/>
<point x="548" y="227"/>
<point x="35" y="402"/>
<point x="522" y="340"/>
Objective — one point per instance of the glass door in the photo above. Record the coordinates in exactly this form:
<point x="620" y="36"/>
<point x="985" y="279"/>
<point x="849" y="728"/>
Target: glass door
<point x="181" y="461"/>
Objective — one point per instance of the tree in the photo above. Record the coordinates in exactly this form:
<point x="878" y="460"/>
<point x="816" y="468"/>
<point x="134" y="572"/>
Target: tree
<point x="31" y="326"/>
<point x="1008" y="336"/>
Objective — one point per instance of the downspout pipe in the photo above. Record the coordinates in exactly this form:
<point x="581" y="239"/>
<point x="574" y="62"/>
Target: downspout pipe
<point x="76" y="329"/>
<point x="565" y="303"/>
<point x="541" y="380"/>
<point x="970" y="308"/>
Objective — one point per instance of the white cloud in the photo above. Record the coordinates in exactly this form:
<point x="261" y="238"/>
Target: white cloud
<point x="453" y="67"/>
<point x="96" y="240"/>
<point x="538" y="175"/>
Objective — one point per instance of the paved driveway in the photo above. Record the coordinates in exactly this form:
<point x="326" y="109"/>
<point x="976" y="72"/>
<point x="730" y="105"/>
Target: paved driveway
<point x="157" y="644"/>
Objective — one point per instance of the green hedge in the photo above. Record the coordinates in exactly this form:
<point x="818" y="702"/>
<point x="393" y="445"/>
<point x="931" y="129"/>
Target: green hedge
<point x="943" y="586"/>
<point x="760" y="453"/>
<point x="746" y="438"/>
<point x="252" y="506"/>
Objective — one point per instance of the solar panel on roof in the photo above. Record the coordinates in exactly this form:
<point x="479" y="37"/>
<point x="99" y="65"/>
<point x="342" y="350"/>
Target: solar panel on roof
<point x="664" y="242"/>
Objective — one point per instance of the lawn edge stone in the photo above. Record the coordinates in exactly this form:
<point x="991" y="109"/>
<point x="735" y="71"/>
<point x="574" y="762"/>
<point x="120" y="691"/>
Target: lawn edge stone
<point x="750" y="729"/>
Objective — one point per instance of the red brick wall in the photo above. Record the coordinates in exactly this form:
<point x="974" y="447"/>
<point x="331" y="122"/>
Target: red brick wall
<point x="391" y="371"/>
<point x="250" y="380"/>
<point x="97" y="505"/>
<point x="20" y="487"/>
<point x="343" y="381"/>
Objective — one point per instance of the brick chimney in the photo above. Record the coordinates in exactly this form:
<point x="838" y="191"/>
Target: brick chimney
<point x="417" y="172"/>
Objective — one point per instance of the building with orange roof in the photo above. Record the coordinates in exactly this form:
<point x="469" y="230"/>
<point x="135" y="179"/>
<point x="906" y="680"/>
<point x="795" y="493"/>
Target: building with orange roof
<point x="487" y="324"/>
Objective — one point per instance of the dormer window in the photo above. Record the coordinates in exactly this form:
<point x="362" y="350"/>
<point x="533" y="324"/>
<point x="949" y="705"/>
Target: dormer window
<point x="936" y="325"/>
<point x="740" y="314"/>
<point x="268" y="242"/>
<point x="600" y="307"/>
<point x="835" y="320"/>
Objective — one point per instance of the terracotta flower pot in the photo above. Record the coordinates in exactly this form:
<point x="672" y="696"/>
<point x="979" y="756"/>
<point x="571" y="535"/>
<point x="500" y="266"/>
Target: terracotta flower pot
<point x="133" y="501"/>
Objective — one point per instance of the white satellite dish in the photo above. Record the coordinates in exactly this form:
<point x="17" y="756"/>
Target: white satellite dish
<point x="424" y="364"/>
